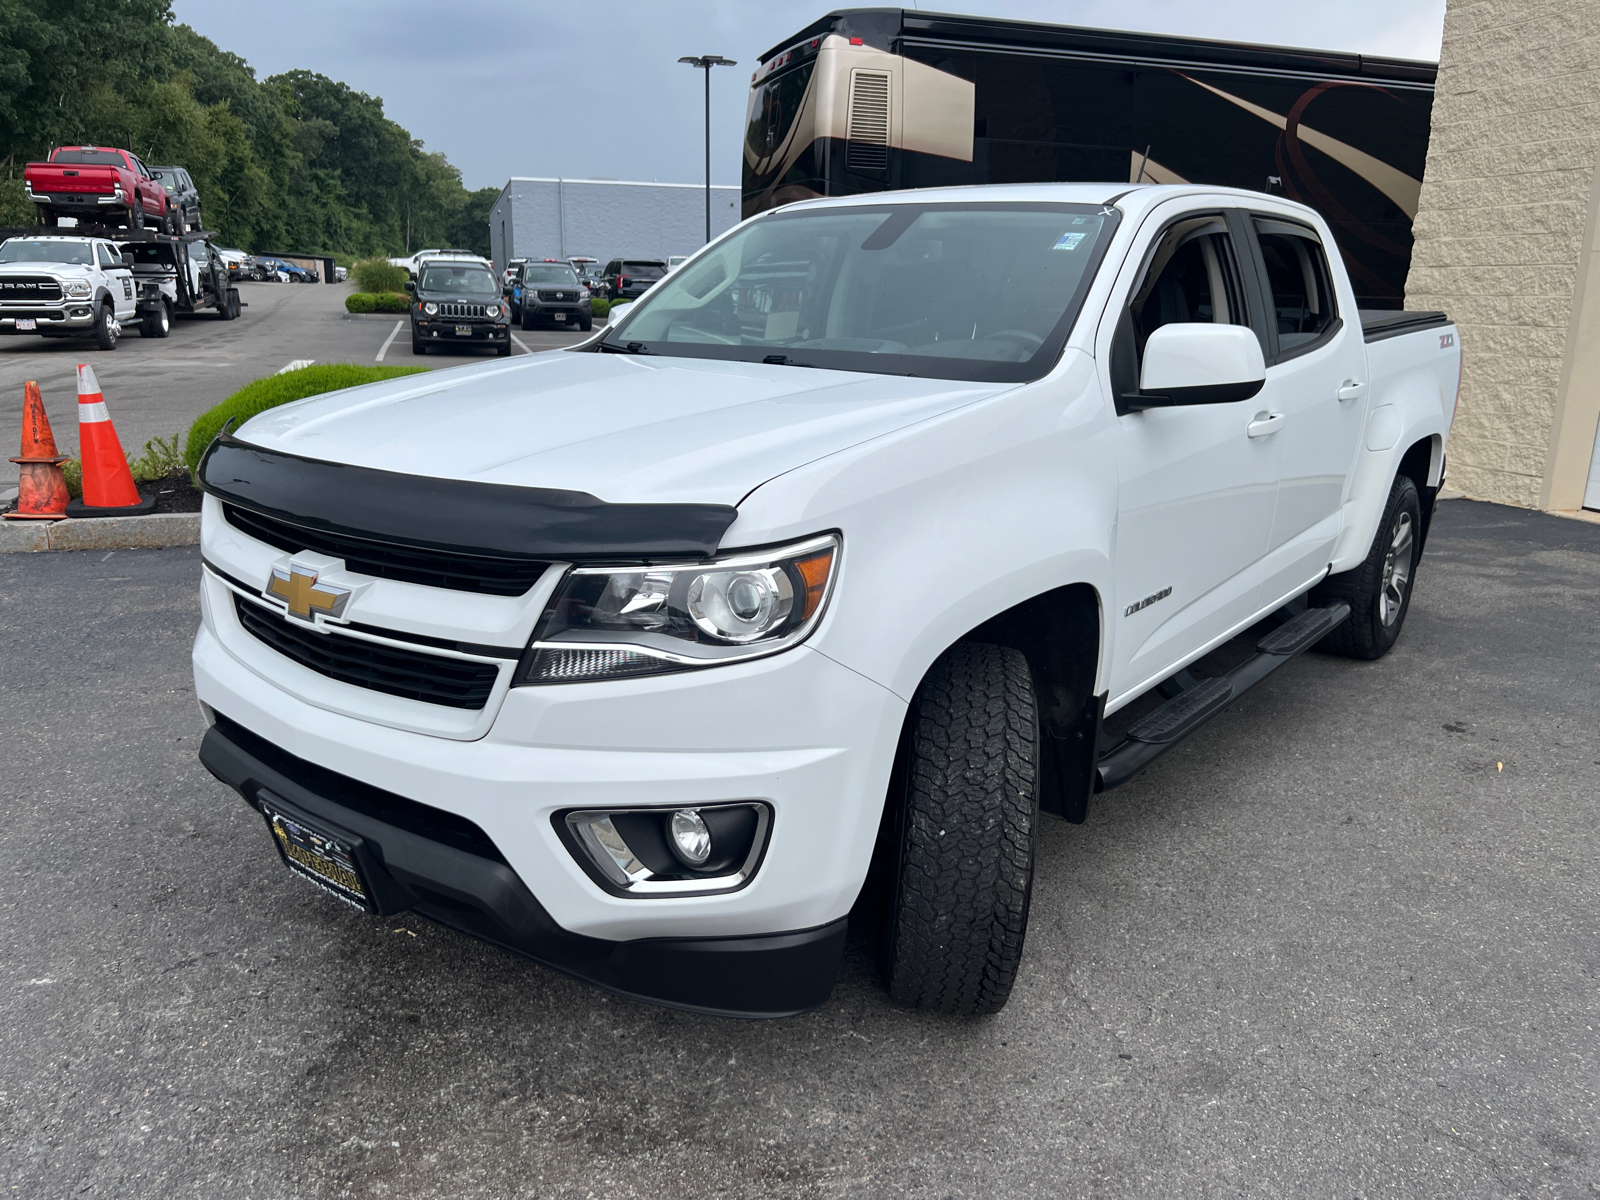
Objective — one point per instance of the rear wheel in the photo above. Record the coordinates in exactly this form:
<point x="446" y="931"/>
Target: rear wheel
<point x="1379" y="590"/>
<point x="136" y="216"/>
<point x="106" y="330"/>
<point x="157" y="324"/>
<point x="961" y="829"/>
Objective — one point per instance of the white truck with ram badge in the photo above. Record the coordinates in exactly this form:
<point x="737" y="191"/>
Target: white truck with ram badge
<point x="882" y="526"/>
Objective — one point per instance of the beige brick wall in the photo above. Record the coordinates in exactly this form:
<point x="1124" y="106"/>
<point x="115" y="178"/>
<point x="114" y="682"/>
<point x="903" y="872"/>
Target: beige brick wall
<point x="1504" y="223"/>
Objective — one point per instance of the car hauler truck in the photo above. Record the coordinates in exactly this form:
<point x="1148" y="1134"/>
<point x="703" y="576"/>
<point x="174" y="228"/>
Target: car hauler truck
<point x="184" y="274"/>
<point x="868" y="100"/>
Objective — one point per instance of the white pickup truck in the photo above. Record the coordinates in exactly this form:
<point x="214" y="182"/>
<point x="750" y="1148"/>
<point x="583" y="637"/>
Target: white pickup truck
<point x="56" y="285"/>
<point x="880" y="527"/>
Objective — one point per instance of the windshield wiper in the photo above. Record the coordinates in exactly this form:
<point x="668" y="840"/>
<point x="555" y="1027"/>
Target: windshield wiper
<point x="630" y="348"/>
<point x="783" y="360"/>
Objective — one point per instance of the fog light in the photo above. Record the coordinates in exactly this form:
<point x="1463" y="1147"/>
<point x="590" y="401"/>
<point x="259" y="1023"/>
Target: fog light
<point x="691" y="840"/>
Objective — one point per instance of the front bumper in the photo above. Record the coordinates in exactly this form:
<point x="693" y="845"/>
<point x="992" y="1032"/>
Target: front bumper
<point x="415" y="861"/>
<point x="557" y="313"/>
<point x="445" y="331"/>
<point x="75" y="315"/>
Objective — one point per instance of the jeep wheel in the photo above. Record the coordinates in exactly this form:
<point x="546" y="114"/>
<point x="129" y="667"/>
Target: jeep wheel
<point x="503" y="351"/>
<point x="418" y="346"/>
<point x="157" y="324"/>
<point x="106" y="330"/>
<point x="963" y="819"/>
<point x="1379" y="590"/>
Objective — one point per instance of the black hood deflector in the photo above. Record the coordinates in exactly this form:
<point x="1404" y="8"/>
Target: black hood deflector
<point x="491" y="519"/>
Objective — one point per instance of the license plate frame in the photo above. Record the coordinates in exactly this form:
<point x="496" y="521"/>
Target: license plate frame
<point x="561" y="316"/>
<point x="463" y="330"/>
<point x="326" y="858"/>
<point x="27" y="324"/>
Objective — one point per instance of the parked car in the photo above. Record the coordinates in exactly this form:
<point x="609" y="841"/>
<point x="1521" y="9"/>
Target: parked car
<point x="413" y="262"/>
<point x="282" y="271"/>
<point x="507" y="275"/>
<point x="549" y="292"/>
<point x="99" y="185"/>
<point x="57" y="285"/>
<point x="915" y="514"/>
<point x="674" y="261"/>
<point x="340" y="274"/>
<point x="240" y="265"/>
<point x="457" y="302"/>
<point x="182" y="196"/>
<point x="630" y="278"/>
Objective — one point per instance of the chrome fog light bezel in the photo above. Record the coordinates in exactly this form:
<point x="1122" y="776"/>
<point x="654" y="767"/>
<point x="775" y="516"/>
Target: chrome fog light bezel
<point x="605" y="856"/>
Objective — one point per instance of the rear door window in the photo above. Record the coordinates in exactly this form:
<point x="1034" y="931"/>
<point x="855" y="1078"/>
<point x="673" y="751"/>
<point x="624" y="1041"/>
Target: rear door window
<point x="1304" y="308"/>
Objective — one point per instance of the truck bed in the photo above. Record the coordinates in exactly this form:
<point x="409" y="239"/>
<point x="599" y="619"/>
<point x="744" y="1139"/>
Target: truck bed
<point x="1380" y="323"/>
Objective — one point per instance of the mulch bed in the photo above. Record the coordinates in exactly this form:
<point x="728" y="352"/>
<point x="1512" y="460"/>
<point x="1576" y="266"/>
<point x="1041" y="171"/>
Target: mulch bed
<point x="174" y="493"/>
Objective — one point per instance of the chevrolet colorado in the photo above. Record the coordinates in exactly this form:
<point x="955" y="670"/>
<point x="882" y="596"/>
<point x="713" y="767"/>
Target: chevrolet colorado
<point x="906" y="517"/>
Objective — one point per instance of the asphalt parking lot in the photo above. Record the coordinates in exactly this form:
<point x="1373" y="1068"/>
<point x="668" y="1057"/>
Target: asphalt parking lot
<point x="1342" y="943"/>
<point x="156" y="387"/>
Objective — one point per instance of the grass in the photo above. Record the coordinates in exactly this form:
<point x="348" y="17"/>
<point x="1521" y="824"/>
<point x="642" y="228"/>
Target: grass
<point x="270" y="392"/>
<point x="379" y="275"/>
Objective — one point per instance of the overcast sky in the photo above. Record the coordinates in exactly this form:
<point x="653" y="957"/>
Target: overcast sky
<point x="584" y="89"/>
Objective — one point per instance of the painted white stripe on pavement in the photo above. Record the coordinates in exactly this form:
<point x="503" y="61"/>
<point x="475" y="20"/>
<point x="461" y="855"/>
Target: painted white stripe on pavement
<point x="296" y="365"/>
<point x="389" y="341"/>
<point x="521" y="343"/>
<point x="88" y="414"/>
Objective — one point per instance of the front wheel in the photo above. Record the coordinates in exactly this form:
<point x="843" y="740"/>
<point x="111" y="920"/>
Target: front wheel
<point x="157" y="324"/>
<point x="418" y="346"/>
<point x="1379" y="590"/>
<point x="963" y="820"/>
<point x="527" y="319"/>
<point x="106" y="329"/>
<point x="586" y="324"/>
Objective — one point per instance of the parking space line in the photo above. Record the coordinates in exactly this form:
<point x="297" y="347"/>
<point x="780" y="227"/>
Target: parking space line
<point x="296" y="365"/>
<point x="521" y="343"/>
<point x="389" y="341"/>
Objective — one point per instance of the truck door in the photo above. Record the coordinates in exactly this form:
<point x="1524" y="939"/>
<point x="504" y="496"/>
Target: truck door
<point x="119" y="281"/>
<point x="1195" y="491"/>
<point x="1315" y="397"/>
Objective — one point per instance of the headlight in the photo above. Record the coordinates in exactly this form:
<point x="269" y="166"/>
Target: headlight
<point x="77" y="287"/>
<point x="621" y="622"/>
<point x="583" y="293"/>
<point x="430" y="308"/>
<point x="492" y="311"/>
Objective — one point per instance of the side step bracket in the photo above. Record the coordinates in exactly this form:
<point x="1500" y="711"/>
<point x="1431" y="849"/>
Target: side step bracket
<point x="1153" y="735"/>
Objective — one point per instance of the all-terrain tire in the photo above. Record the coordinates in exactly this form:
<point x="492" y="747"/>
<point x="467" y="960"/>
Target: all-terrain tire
<point x="965" y="823"/>
<point x="136" y="216"/>
<point x="1379" y="590"/>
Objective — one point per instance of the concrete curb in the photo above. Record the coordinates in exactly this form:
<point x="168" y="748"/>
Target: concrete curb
<point x="101" y="533"/>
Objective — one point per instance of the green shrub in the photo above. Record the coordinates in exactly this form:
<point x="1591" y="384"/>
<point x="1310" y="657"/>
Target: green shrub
<point x="72" y="470"/>
<point x="394" y="302"/>
<point x="274" y="390"/>
<point x="599" y="306"/>
<point x="361" y="302"/>
<point x="161" y="458"/>
<point x="379" y="275"/>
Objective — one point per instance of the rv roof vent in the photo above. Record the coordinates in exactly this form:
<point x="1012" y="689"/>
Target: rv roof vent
<point x="868" y="128"/>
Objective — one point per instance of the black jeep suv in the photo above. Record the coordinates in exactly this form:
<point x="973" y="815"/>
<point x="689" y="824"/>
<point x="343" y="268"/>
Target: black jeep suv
<point x="457" y="302"/>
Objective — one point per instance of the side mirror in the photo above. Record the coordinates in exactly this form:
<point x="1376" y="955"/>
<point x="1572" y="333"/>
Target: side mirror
<point x="411" y="286"/>
<point x="127" y="259"/>
<point x="1199" y="364"/>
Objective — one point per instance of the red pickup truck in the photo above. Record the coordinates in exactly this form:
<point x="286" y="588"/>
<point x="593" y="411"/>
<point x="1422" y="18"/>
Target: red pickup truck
<point x="98" y="184"/>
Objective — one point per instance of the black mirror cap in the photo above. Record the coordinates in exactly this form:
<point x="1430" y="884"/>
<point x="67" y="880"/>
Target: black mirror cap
<point x="127" y="258"/>
<point x="1213" y="393"/>
<point x="411" y="286"/>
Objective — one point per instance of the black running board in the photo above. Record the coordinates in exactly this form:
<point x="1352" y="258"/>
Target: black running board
<point x="1153" y="735"/>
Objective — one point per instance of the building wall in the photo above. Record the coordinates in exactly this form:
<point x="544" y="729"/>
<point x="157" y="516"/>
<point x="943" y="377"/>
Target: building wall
<point x="1506" y="243"/>
<point x="562" y="218"/>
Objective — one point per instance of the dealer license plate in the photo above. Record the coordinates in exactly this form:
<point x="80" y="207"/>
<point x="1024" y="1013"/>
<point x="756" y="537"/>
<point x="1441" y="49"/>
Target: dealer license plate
<point x="561" y="316"/>
<point x="326" y="861"/>
<point x="26" y="324"/>
<point x="463" y="330"/>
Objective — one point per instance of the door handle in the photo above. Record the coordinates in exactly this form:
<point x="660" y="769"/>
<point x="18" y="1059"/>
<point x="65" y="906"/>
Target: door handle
<point x="1351" y="389"/>
<point x="1265" y="425"/>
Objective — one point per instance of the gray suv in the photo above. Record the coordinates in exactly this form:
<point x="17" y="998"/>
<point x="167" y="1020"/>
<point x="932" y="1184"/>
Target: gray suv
<point x="182" y="196"/>
<point x="549" y="293"/>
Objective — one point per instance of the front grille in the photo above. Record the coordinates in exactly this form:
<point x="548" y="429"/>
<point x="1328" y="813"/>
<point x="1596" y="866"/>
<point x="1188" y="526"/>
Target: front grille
<point x="386" y="560"/>
<point x="29" y="289"/>
<point x="573" y="296"/>
<point x="430" y="678"/>
<point x="462" y="310"/>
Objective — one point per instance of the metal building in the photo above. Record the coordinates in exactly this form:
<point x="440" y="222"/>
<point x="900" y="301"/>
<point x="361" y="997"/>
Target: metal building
<point x="604" y="218"/>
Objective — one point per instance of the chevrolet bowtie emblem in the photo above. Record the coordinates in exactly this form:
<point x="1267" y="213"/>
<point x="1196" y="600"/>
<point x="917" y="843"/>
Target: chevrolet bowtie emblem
<point x="298" y="588"/>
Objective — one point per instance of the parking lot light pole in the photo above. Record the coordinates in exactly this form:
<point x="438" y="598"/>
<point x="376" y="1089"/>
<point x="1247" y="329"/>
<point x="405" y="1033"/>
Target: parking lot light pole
<point x="706" y="62"/>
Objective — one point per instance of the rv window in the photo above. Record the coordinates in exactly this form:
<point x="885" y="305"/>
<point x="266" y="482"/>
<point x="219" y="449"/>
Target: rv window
<point x="1297" y="271"/>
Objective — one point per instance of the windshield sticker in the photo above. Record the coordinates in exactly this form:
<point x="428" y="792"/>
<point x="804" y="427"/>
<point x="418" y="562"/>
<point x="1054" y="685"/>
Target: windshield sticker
<point x="1069" y="241"/>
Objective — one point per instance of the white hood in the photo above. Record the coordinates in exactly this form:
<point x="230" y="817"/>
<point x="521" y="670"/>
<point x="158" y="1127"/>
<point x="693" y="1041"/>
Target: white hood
<point x="624" y="428"/>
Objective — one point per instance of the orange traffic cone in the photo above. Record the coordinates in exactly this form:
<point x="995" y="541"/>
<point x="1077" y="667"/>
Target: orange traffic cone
<point x="108" y="489"/>
<point x="41" y="488"/>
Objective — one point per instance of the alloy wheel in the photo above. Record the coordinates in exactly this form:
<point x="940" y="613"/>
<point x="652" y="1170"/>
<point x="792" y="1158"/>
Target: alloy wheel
<point x="1396" y="571"/>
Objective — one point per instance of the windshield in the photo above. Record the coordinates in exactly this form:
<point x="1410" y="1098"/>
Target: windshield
<point x="550" y="275"/>
<point x="459" y="281"/>
<point x="976" y="291"/>
<point x="23" y="250"/>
